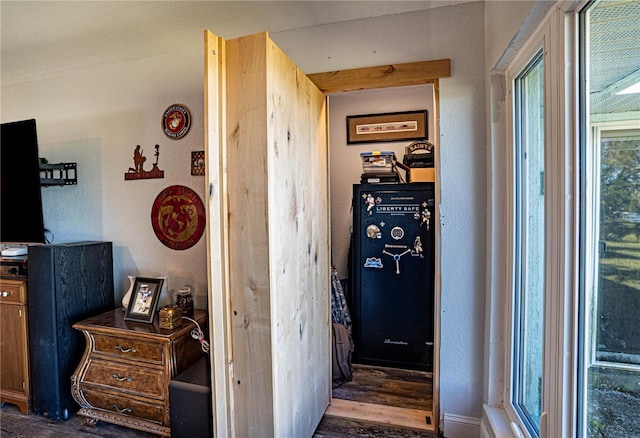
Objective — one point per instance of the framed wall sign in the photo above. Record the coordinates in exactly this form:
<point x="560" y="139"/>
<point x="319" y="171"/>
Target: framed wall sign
<point x="197" y="162"/>
<point x="372" y="128"/>
<point x="144" y="299"/>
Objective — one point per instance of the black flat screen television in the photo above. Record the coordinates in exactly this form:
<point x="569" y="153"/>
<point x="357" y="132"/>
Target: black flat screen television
<point x="21" y="219"/>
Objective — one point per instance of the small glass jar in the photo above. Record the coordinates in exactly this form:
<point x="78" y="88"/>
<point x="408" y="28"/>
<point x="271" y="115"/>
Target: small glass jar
<point x="184" y="300"/>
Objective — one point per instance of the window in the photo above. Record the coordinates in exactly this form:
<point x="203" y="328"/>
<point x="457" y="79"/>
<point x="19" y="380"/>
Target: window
<point x="572" y="262"/>
<point x="541" y="250"/>
<point x="529" y="257"/>
<point x="609" y="402"/>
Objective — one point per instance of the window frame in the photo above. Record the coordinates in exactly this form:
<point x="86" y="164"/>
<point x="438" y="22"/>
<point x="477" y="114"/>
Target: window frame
<point x="556" y="35"/>
<point x="535" y="47"/>
<point x="594" y="130"/>
<point x="564" y="400"/>
<point x="588" y="134"/>
<point x="521" y="210"/>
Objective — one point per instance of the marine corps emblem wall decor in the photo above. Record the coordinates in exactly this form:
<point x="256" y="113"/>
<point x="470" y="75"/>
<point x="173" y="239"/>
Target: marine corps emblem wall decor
<point x="178" y="217"/>
<point x="176" y="121"/>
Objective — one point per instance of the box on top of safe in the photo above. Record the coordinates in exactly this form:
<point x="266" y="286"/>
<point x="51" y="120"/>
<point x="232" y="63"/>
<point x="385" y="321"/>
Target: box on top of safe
<point x="377" y="161"/>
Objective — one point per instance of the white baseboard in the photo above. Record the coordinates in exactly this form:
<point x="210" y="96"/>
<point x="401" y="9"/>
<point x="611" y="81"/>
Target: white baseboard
<point x="458" y="426"/>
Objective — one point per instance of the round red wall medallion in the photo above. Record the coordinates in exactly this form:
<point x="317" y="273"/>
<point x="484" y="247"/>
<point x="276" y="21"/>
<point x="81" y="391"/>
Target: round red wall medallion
<point x="178" y="217"/>
<point x="176" y="121"/>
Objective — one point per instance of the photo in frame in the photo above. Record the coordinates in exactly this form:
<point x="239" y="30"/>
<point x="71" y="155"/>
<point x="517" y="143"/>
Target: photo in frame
<point x="399" y="126"/>
<point x="144" y="299"/>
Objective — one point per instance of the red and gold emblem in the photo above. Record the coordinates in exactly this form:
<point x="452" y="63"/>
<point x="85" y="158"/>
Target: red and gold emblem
<point x="176" y="121"/>
<point x="178" y="217"/>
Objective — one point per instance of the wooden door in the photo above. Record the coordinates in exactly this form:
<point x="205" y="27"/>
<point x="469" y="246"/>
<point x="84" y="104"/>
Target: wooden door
<point x="13" y="347"/>
<point x="268" y="236"/>
<point x="14" y="341"/>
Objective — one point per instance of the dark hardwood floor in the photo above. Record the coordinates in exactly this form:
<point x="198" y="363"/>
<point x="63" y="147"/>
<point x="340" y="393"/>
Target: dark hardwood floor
<point x="400" y="388"/>
<point x="15" y="425"/>
<point x="389" y="387"/>
<point x="340" y="427"/>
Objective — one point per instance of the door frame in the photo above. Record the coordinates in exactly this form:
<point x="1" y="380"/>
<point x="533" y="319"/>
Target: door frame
<point x="388" y="76"/>
<point x="216" y="207"/>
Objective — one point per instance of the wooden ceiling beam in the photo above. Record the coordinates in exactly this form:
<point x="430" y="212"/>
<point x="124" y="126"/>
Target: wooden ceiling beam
<point x="384" y="76"/>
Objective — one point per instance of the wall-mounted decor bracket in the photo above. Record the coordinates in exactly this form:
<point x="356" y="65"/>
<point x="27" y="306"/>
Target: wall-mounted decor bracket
<point x="60" y="174"/>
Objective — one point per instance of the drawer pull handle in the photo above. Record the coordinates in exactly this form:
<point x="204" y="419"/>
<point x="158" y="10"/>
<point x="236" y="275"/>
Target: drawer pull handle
<point x="5" y="294"/>
<point x="126" y="350"/>
<point x="122" y="379"/>
<point x="122" y="411"/>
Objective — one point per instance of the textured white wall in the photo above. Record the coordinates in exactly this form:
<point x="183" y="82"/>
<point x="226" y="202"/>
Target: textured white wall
<point x="502" y="22"/>
<point x="96" y="117"/>
<point x="462" y="213"/>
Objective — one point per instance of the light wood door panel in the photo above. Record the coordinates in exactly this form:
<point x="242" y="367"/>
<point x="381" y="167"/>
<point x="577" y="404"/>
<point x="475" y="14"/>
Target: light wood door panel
<point x="269" y="240"/>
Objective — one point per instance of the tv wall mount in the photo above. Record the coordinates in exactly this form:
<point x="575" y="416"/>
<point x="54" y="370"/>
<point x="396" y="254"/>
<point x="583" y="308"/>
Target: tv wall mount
<point x="59" y="174"/>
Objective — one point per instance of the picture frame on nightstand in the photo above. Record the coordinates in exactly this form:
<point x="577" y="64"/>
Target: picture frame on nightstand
<point x="144" y="299"/>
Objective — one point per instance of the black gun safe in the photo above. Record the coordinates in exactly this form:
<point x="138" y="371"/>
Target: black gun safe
<point x="392" y="269"/>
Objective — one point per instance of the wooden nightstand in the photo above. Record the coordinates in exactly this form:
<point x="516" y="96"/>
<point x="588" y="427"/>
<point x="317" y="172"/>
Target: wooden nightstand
<point x="125" y="372"/>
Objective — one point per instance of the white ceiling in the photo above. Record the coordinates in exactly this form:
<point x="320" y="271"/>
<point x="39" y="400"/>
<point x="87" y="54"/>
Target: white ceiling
<point x="48" y="38"/>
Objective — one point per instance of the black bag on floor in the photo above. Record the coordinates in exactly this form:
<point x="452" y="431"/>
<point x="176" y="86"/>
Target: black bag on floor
<point x="341" y="355"/>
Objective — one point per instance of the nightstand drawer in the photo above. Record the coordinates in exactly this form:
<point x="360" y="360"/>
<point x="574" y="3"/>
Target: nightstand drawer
<point x="137" y="380"/>
<point x="129" y="348"/>
<point x="13" y="292"/>
<point x="124" y="406"/>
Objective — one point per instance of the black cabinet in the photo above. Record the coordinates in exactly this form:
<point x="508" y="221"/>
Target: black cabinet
<point x="190" y="395"/>
<point x="67" y="283"/>
<point x="393" y="274"/>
